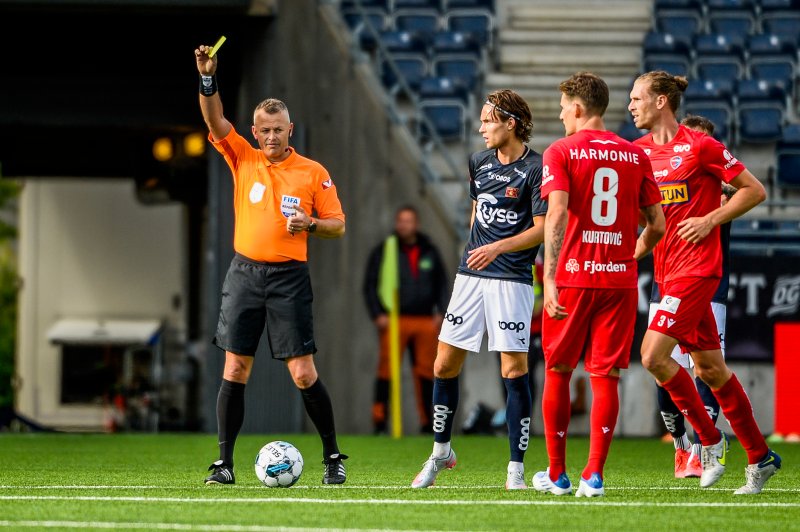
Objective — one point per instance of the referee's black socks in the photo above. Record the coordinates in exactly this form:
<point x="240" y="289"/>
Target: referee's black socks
<point x="320" y="410"/>
<point x="230" y="415"/>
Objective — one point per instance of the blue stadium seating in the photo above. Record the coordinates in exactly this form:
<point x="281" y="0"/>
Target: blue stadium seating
<point x="455" y="42"/>
<point x="720" y="113"/>
<point x="359" y="22"/>
<point x="748" y="90"/>
<point x="681" y="23"/>
<point x="710" y="90"/>
<point x="787" y="167"/>
<point x="779" y="68"/>
<point x="665" y="43"/>
<point x="731" y="5"/>
<point x="770" y="44"/>
<point x="430" y="4"/>
<point x="447" y="117"/>
<point x="412" y="67"/>
<point x="464" y="69"/>
<point x="718" y="68"/>
<point x="477" y="22"/>
<point x="760" y="121"/>
<point x="383" y="4"/>
<point x="476" y="4"/>
<point x="732" y="23"/>
<point x="677" y="65"/>
<point x="432" y="87"/>
<point x="423" y="22"/>
<point x="678" y="4"/>
<point x="790" y="137"/>
<point x="718" y="44"/>
<point x="778" y="5"/>
<point x="782" y="23"/>
<point x="403" y="42"/>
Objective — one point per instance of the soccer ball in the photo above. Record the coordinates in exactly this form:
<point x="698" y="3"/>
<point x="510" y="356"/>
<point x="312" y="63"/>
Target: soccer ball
<point x="279" y="464"/>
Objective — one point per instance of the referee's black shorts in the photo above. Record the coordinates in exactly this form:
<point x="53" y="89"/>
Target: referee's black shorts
<point x="275" y="296"/>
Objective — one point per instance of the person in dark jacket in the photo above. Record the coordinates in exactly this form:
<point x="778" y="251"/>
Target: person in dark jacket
<point x="423" y="289"/>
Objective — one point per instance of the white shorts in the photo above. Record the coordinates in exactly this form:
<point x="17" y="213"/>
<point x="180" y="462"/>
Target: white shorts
<point x="720" y="314"/>
<point x="477" y="304"/>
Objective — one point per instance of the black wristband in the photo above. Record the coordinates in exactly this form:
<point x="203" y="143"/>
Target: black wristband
<point x="208" y="85"/>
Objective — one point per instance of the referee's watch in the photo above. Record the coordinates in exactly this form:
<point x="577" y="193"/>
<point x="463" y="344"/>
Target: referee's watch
<point x="312" y="226"/>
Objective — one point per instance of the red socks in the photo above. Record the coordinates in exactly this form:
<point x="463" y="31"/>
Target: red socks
<point x="556" y="412"/>
<point x="605" y="409"/>
<point x="685" y="396"/>
<point x="737" y="409"/>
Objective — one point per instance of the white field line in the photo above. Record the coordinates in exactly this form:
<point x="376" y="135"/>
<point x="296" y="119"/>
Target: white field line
<point x="360" y="487"/>
<point x="401" y="502"/>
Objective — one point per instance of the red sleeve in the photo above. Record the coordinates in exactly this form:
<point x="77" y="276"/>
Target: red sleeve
<point x="715" y="158"/>
<point x="554" y="171"/>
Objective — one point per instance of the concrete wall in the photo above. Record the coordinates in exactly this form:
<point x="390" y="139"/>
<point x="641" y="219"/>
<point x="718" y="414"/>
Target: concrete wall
<point x="89" y="249"/>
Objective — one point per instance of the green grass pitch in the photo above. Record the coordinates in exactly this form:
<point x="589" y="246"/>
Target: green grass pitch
<point x="154" y="482"/>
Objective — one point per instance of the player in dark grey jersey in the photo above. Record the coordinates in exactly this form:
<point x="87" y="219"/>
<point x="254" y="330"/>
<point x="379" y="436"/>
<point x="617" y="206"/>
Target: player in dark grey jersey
<point x="493" y="290"/>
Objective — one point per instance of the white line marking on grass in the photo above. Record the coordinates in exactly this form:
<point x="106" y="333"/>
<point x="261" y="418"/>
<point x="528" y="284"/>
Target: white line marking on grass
<point x="154" y="526"/>
<point x="366" y="486"/>
<point x="399" y="502"/>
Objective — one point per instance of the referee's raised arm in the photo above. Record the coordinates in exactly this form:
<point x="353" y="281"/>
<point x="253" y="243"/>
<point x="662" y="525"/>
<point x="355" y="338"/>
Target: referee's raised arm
<point x="210" y="102"/>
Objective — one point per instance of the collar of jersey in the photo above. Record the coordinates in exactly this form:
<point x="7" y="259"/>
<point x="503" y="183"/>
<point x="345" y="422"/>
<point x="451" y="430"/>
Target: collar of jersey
<point x="521" y="157"/>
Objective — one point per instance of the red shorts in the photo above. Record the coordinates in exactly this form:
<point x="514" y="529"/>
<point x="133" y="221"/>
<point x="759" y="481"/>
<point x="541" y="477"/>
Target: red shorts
<point x="599" y="326"/>
<point x="685" y="313"/>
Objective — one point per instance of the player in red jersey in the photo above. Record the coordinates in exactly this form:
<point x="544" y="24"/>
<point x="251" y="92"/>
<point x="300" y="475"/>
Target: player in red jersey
<point x="688" y="166"/>
<point x="597" y="186"/>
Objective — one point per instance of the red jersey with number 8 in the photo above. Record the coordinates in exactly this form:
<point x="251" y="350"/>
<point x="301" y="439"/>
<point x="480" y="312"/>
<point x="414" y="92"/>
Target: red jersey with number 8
<point x="608" y="180"/>
<point x="688" y="171"/>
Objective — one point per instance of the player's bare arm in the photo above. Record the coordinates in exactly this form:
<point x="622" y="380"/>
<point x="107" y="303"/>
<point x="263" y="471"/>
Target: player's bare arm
<point x="750" y="192"/>
<point x="655" y="227"/>
<point x="480" y="258"/>
<point x="211" y="106"/>
<point x="555" y="226"/>
<point x="325" y="227"/>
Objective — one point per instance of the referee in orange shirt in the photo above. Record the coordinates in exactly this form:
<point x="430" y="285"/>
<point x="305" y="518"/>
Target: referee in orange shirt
<point x="268" y="285"/>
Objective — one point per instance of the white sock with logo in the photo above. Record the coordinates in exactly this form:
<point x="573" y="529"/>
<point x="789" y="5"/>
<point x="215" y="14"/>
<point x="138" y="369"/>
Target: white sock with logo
<point x="441" y="450"/>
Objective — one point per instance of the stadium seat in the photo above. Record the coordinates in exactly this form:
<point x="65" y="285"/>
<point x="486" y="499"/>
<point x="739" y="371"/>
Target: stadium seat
<point x="748" y="90"/>
<point x="463" y="69"/>
<point x="720" y="113"/>
<point x="665" y="43"/>
<point x="455" y="42"/>
<point x="474" y="4"/>
<point x="477" y="22"/>
<point x="778" y="5"/>
<point x="731" y="5"/>
<point x="433" y="87"/>
<point x="718" y="67"/>
<point x="676" y="65"/>
<point x="787" y="167"/>
<point x="359" y="23"/>
<point x="382" y="4"/>
<point x="779" y="68"/>
<point x="770" y="44"/>
<point x="782" y="23"/>
<point x="681" y="23"/>
<point x="678" y="4"/>
<point x="412" y="67"/>
<point x="721" y="45"/>
<point x="790" y="136"/>
<point x="423" y="22"/>
<point x="447" y="118"/>
<point x="428" y="4"/>
<point x="732" y="23"/>
<point x="403" y="42"/>
<point x="760" y="121"/>
<point x="710" y="90"/>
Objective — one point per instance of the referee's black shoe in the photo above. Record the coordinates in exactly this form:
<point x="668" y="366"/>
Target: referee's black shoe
<point x="223" y="474"/>
<point x="334" y="469"/>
